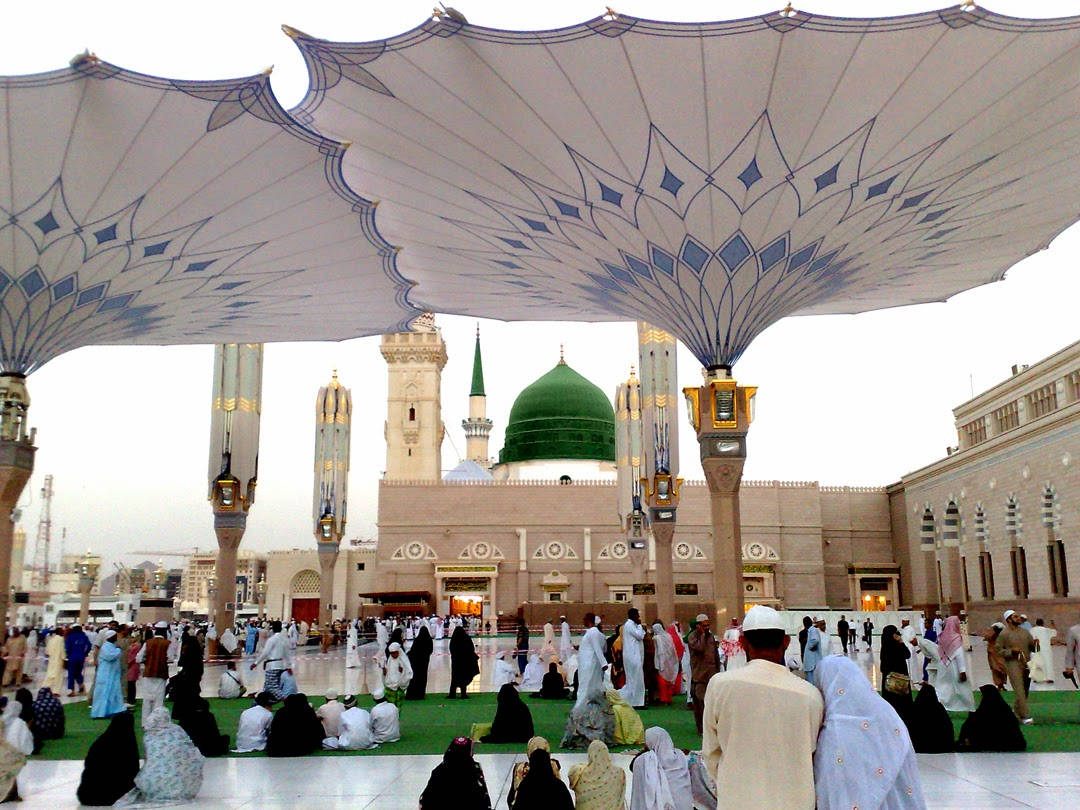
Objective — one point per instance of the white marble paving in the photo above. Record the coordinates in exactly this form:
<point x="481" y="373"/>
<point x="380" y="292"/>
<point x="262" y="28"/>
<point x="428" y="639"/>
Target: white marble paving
<point x="1046" y="781"/>
<point x="984" y="781"/>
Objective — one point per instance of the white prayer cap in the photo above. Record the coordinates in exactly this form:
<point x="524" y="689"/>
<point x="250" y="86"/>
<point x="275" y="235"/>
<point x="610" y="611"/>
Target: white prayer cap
<point x="395" y="647"/>
<point x="999" y="625"/>
<point x="162" y="624"/>
<point x="762" y="617"/>
<point x="596" y="620"/>
<point x="110" y="634"/>
<point x="331" y="694"/>
<point x="377" y="693"/>
<point x="1008" y="613"/>
<point x="701" y="617"/>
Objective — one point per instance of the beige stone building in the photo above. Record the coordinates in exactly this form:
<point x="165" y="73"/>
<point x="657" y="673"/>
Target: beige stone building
<point x="994" y="524"/>
<point x="194" y="585"/>
<point x="292" y="580"/>
<point x="542" y="525"/>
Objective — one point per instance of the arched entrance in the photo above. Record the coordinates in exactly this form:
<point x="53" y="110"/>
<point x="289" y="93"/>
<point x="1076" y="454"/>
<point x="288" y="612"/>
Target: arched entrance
<point x="305" y="596"/>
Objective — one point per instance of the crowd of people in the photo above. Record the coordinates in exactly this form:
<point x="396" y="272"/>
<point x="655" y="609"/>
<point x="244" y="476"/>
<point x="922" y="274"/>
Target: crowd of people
<point x="758" y="704"/>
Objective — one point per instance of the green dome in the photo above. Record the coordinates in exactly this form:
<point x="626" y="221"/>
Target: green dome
<point x="561" y="415"/>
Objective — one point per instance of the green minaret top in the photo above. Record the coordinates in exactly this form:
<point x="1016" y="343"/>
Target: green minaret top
<point x="477" y="388"/>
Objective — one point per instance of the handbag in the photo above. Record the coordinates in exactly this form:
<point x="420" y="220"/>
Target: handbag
<point x="898" y="684"/>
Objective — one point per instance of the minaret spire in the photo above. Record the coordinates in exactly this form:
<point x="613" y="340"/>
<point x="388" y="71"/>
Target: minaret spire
<point x="477" y="426"/>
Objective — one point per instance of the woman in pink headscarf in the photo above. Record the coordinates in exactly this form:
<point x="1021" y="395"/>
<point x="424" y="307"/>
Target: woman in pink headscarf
<point x="951" y="682"/>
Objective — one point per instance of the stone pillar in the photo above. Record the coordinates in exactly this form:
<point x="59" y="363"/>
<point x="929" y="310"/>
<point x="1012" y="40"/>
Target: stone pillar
<point x="722" y="413"/>
<point x="229" y="528"/>
<point x="328" y="554"/>
<point x="85" y="586"/>
<point x="16" y="465"/>
<point x="663" y="533"/>
<point x="639" y="563"/>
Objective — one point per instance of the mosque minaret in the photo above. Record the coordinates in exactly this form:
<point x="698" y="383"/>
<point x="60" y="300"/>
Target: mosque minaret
<point x="477" y="426"/>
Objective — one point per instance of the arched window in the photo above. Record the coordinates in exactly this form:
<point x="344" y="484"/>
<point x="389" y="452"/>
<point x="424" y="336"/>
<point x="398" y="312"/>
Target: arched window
<point x="986" y="564"/>
<point x="1017" y="557"/>
<point x="1055" y="546"/>
<point x="412" y="414"/>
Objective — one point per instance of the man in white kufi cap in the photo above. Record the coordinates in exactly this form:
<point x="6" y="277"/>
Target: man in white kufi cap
<point x="761" y="721"/>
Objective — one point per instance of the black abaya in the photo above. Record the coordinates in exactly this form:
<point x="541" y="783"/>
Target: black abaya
<point x="992" y="726"/>
<point x="930" y="728"/>
<point x="513" y="722"/>
<point x="194" y="717"/>
<point x="456" y="783"/>
<point x="111" y="763"/>
<point x="541" y="789"/>
<point x="296" y="730"/>
<point x="419" y="655"/>
<point x="464" y="664"/>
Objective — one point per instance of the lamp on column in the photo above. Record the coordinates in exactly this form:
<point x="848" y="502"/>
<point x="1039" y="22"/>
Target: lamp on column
<point x="211" y="592"/>
<point x="260" y="594"/>
<point x="87" y="569"/>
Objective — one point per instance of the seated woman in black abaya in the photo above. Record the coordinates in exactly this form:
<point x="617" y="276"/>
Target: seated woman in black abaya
<point x="513" y="721"/>
<point x="553" y="686"/>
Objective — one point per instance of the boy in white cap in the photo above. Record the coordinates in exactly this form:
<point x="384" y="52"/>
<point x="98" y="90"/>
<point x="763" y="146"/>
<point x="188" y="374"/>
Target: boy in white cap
<point x="330" y="714"/>
<point x="761" y="721"/>
<point x="385" y="719"/>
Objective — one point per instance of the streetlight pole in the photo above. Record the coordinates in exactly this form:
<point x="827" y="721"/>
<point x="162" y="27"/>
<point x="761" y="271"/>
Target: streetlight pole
<point x="260" y="595"/>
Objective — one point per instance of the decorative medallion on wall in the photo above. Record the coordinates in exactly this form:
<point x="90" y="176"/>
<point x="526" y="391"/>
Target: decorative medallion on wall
<point x="481" y="550"/>
<point x="554" y="550"/>
<point x="614" y="551"/>
<point x="688" y="551"/>
<point x="414" y="551"/>
<point x="759" y="551"/>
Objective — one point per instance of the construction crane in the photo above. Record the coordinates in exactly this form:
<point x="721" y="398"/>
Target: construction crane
<point x="40" y="579"/>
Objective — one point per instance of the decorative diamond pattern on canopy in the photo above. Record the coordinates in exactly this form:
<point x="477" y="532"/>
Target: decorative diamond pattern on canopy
<point x="142" y="210"/>
<point x="709" y="178"/>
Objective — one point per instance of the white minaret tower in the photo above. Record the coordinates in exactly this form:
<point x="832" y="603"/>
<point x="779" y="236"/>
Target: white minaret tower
<point x="333" y="423"/>
<point x="477" y="426"/>
<point x="414" y="427"/>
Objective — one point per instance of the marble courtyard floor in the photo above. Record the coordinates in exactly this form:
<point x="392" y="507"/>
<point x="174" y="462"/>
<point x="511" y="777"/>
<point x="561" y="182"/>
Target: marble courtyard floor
<point x="393" y="782"/>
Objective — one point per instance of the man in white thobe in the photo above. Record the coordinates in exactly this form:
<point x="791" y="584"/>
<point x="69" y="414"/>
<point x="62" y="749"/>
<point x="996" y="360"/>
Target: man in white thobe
<point x="355" y="729"/>
<point x="1041" y="666"/>
<point x="592" y="662"/>
<point x="254" y="725"/>
<point x="566" y="647"/>
<point x="275" y="655"/>
<point x="760" y="724"/>
<point x="915" y="662"/>
<point x="633" y="656"/>
<point x="352" y="647"/>
<point x="549" y="635"/>
<point x="385" y="720"/>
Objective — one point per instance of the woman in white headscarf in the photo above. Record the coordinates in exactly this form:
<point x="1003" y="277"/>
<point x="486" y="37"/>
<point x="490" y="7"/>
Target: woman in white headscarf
<point x="864" y="756"/>
<point x="533" y="677"/>
<point x="661" y="778"/>
<point x="667" y="664"/>
<point x="16" y="732"/>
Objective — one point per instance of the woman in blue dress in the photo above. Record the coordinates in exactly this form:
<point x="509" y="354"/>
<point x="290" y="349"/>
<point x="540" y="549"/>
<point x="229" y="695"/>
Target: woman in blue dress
<point x="108" y="695"/>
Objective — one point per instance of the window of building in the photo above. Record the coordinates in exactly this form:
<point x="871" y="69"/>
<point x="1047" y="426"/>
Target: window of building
<point x="950" y="534"/>
<point x="964" y="577"/>
<point x="1055" y="546"/>
<point x="974" y="432"/>
<point x="360" y="566"/>
<point x="1043" y="400"/>
<point x="412" y="414"/>
<point x="620" y="594"/>
<point x="1017" y="555"/>
<point x="554" y="596"/>
<point x="1006" y="417"/>
<point x="1072" y="385"/>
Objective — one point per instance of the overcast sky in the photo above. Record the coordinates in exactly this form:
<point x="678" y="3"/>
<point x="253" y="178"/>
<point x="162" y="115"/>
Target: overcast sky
<point x="125" y="431"/>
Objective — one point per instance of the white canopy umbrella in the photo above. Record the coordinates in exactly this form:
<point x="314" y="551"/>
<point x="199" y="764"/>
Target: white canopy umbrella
<point x="709" y="178"/>
<point x="135" y="209"/>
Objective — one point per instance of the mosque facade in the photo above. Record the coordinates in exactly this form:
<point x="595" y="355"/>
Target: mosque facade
<point x="535" y="526"/>
<point x="538" y="524"/>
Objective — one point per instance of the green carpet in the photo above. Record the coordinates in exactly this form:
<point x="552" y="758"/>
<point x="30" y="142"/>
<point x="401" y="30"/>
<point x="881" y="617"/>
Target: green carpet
<point x="428" y="726"/>
<point x="1057" y="721"/>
